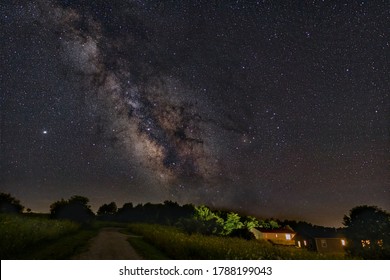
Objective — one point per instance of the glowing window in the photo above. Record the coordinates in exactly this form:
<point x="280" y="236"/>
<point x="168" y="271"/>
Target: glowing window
<point x="288" y="236"/>
<point x="299" y="244"/>
<point x="343" y="243"/>
<point x="365" y="243"/>
<point x="323" y="243"/>
<point x="305" y="242"/>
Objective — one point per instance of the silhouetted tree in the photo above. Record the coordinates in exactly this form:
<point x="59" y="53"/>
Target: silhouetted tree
<point x="125" y="214"/>
<point x="105" y="209"/>
<point x="9" y="204"/>
<point x="76" y="209"/>
<point x="126" y="206"/>
<point x="368" y="231"/>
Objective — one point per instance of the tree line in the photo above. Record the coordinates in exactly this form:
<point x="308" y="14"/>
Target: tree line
<point x="366" y="227"/>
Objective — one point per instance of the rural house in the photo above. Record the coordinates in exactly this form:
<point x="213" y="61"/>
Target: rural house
<point x="323" y="243"/>
<point x="281" y="236"/>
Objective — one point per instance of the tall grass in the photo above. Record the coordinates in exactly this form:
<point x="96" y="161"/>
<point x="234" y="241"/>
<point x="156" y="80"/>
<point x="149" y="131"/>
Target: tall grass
<point x="179" y="245"/>
<point x="18" y="233"/>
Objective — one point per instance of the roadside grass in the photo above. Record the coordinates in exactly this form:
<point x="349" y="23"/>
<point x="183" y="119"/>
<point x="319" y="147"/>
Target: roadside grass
<point x="145" y="250"/>
<point x="60" y="249"/>
<point x="35" y="236"/>
<point x="176" y="244"/>
<point x="18" y="233"/>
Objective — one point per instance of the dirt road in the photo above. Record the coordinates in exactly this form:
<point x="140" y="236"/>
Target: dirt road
<point x="109" y="244"/>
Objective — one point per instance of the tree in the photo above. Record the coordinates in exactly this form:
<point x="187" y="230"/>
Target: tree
<point x="232" y="223"/>
<point x="273" y="224"/>
<point x="251" y="222"/>
<point x="368" y="231"/>
<point x="206" y="221"/>
<point x="107" y="209"/>
<point x="9" y="204"/>
<point x="76" y="209"/>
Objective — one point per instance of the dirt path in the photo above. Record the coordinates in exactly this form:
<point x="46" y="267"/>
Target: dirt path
<point x="109" y="244"/>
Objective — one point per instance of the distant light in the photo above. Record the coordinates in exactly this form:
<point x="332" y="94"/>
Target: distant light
<point x="44" y="132"/>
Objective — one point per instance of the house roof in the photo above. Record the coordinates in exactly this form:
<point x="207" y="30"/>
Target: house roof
<point x="278" y="230"/>
<point x="318" y="234"/>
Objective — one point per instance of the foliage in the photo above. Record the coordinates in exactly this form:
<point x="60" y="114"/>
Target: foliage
<point x="269" y="224"/>
<point x="145" y="250"/>
<point x="232" y="223"/>
<point x="206" y="221"/>
<point x="250" y="222"/>
<point x="198" y="246"/>
<point x="168" y="213"/>
<point x="107" y="209"/>
<point x="19" y="233"/>
<point x="75" y="209"/>
<point x="62" y="248"/>
<point x="368" y="229"/>
<point x="9" y="204"/>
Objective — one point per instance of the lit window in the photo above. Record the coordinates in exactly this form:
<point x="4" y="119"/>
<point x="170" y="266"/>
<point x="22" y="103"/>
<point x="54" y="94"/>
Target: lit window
<point x="288" y="236"/>
<point x="276" y="235"/>
<point x="343" y="242"/>
<point x="305" y="242"/>
<point x="299" y="244"/>
<point x="365" y="243"/>
<point x="380" y="243"/>
<point x="323" y="243"/>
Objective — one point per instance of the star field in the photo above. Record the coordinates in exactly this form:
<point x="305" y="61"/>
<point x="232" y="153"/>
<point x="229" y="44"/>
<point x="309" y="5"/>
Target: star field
<point x="276" y="109"/>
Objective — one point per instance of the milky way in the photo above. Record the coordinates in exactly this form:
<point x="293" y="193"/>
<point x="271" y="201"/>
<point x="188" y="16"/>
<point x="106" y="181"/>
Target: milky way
<point x="155" y="119"/>
<point x="273" y="109"/>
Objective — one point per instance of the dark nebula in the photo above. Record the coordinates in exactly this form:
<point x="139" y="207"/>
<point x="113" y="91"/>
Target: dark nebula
<point x="268" y="108"/>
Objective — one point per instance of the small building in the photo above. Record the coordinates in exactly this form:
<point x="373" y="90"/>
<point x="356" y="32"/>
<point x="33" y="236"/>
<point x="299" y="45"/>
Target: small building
<point x="281" y="236"/>
<point x="322" y="243"/>
<point x="330" y="244"/>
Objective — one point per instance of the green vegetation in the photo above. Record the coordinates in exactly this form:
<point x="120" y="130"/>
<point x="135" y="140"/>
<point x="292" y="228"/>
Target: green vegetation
<point x="178" y="232"/>
<point x="179" y="245"/>
<point x="222" y="223"/>
<point x="145" y="250"/>
<point x="60" y="249"/>
<point x="19" y="233"/>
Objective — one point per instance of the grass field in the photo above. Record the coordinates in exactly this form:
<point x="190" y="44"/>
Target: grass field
<point x="29" y="237"/>
<point x="145" y="250"/>
<point x="178" y="245"/>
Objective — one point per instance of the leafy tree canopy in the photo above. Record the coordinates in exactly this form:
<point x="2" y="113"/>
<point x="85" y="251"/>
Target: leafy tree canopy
<point x="9" y="204"/>
<point x="107" y="209"/>
<point x="76" y="209"/>
<point x="368" y="227"/>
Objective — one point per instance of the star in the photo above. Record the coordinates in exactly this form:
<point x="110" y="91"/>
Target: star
<point x="186" y="95"/>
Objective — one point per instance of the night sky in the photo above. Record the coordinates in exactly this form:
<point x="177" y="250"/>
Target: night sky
<point x="270" y="108"/>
